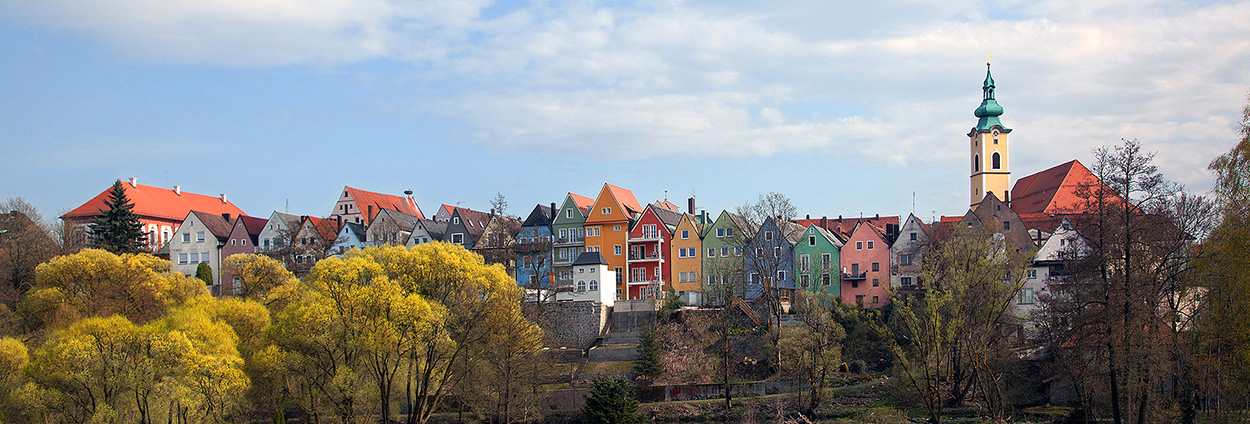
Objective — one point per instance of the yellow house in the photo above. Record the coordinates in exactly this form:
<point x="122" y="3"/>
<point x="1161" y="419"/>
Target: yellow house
<point x="607" y="228"/>
<point x="687" y="267"/>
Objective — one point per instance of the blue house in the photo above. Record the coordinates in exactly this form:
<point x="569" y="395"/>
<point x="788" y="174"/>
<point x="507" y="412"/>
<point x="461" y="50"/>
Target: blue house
<point x="769" y="259"/>
<point x="534" y="252"/>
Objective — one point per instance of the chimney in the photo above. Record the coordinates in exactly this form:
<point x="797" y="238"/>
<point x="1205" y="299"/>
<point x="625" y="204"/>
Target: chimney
<point x="370" y="212"/>
<point x="226" y="216"/>
<point x="134" y="182"/>
<point x="339" y="219"/>
<point x="824" y="222"/>
<point x="223" y="198"/>
<point x="690" y="205"/>
<point x="178" y="190"/>
<point x="839" y="218"/>
<point x="809" y="217"/>
<point x="553" y="210"/>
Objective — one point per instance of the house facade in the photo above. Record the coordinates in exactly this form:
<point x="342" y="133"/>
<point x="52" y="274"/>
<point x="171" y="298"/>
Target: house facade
<point x="351" y="236"/>
<point x="199" y="239"/>
<point x="390" y="227"/>
<point x="817" y="261"/>
<point x="360" y="206"/>
<point x="534" y="251"/>
<point x="277" y="231"/>
<point x="607" y="228"/>
<point x="498" y="242"/>
<point x="648" y="247"/>
<point x="769" y="259"/>
<point x="907" y="253"/>
<point x="866" y="267"/>
<point x="570" y="235"/>
<point x="685" y="253"/>
<point x="427" y="231"/>
<point x="465" y="226"/>
<point x="723" y="269"/>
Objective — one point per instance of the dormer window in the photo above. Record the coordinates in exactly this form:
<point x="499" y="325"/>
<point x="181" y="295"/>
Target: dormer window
<point x="455" y="220"/>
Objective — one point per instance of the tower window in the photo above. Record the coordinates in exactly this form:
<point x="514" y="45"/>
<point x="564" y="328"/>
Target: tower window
<point x="976" y="163"/>
<point x="996" y="161"/>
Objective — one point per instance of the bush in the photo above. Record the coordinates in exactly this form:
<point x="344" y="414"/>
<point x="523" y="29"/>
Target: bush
<point x="611" y="401"/>
<point x="648" y="364"/>
<point x="204" y="273"/>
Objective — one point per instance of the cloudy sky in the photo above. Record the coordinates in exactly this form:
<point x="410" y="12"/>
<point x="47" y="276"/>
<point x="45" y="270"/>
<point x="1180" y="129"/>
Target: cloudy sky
<point x="846" y="107"/>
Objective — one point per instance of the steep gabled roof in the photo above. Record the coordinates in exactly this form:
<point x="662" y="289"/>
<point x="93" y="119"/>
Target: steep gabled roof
<point x="436" y="229"/>
<point x="216" y="224"/>
<point x="475" y="222"/>
<point x="157" y="202"/>
<point x="668" y="205"/>
<point x="843" y="227"/>
<point x="404" y="221"/>
<point x="1061" y="189"/>
<point x="355" y="230"/>
<point x="254" y="227"/>
<point x="541" y="215"/>
<point x="625" y="198"/>
<point x="828" y="235"/>
<point x="791" y="231"/>
<point x="583" y="202"/>
<point x="669" y="217"/>
<point x="382" y="201"/>
<point x="327" y="229"/>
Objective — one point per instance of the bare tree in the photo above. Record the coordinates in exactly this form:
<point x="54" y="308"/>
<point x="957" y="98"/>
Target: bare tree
<point x="768" y="257"/>
<point x="25" y="242"/>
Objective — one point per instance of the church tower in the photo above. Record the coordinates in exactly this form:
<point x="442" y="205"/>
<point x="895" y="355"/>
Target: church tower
<point x="990" y="147"/>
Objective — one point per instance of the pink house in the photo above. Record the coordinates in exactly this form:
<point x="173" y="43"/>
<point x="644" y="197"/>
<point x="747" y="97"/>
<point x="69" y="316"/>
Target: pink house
<point x="866" y="267"/>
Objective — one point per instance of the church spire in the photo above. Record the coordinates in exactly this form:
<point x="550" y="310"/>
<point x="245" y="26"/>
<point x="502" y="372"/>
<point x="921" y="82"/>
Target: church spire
<point x="989" y="110"/>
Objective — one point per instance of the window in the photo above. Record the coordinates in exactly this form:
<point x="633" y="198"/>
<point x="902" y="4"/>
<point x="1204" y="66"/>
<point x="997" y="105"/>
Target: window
<point x="768" y="235"/>
<point x="824" y="261"/>
<point x="606" y="211"/>
<point x="854" y="284"/>
<point x="199" y="236"/>
<point x="616" y="228"/>
<point x="859" y="245"/>
<point x="457" y="238"/>
<point x="564" y="233"/>
<point x="870" y="245"/>
<point x="581" y="285"/>
<point x="803" y="280"/>
<point x="182" y="258"/>
<point x="568" y="213"/>
<point x="854" y="269"/>
<point x="876" y="266"/>
<point x="724" y="251"/>
<point x="243" y="242"/>
<point x="204" y="257"/>
<point x="913" y="235"/>
<point x="905" y="281"/>
<point x="996" y="160"/>
<point x="455" y="220"/>
<point x="876" y="282"/>
<point x="619" y="277"/>
<point x="737" y="251"/>
<point x="805" y="262"/>
<point x="976" y="163"/>
<point x="685" y="234"/>
<point x="824" y="279"/>
<point x="594" y="285"/>
<point x="616" y="250"/>
<point x="904" y="259"/>
<point x="720" y="232"/>
<point x="811" y="240"/>
<point x="186" y="237"/>
<point x="1006" y="225"/>
<point x="232" y="242"/>
<point x="781" y="275"/>
<point x="1026" y="296"/>
<point x="876" y="299"/>
<point x="711" y="252"/>
<point x="729" y="232"/>
<point x="1032" y="273"/>
<point x="681" y="253"/>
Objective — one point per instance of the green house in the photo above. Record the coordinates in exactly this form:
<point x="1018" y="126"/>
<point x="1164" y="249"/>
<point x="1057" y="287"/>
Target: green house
<point x="816" y="264"/>
<point x="722" y="256"/>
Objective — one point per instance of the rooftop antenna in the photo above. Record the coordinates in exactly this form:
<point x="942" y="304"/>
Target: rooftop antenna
<point x="913" y="202"/>
<point x="288" y="205"/>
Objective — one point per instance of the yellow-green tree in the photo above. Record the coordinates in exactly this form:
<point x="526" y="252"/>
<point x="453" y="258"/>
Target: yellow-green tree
<point x="13" y="356"/>
<point x="94" y="282"/>
<point x="813" y="351"/>
<point x="260" y="277"/>
<point x="481" y="307"/>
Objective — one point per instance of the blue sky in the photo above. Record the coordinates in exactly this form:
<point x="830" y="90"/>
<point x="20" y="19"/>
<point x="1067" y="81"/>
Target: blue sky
<point x="845" y="108"/>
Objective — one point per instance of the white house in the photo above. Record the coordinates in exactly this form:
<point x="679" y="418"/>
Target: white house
<point x="276" y="231"/>
<point x="199" y="240"/>
<point x="593" y="280"/>
<point x="1063" y="245"/>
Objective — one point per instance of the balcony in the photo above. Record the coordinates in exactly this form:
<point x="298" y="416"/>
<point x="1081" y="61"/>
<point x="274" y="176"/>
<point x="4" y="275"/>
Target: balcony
<point x="657" y="281"/>
<point x="651" y="257"/>
<point x="568" y="242"/>
<point x="647" y="236"/>
<point x="851" y="277"/>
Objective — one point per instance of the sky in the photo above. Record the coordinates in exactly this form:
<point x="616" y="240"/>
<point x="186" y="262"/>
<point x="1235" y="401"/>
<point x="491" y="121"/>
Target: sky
<point x="848" y="108"/>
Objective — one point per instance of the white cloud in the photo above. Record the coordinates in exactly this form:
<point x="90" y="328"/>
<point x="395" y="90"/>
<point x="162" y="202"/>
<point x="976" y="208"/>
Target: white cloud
<point x="892" y="82"/>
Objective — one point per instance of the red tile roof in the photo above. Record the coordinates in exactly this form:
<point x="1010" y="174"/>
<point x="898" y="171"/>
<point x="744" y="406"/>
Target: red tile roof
<point x="215" y="223"/>
<point x="625" y="198"/>
<point x="157" y="202"/>
<point x="844" y="226"/>
<point x="382" y="201"/>
<point x="583" y="202"/>
<point x="254" y="226"/>
<point x="668" y="205"/>
<point x="1054" y="191"/>
<point x="329" y="230"/>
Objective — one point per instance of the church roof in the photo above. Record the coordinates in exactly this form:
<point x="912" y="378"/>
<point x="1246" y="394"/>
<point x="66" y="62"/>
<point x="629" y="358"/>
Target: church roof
<point x="990" y="110"/>
<point x="1062" y="189"/>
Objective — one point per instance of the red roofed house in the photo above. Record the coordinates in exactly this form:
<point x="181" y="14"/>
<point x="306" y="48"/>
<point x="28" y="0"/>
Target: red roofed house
<point x="359" y="206"/>
<point x="866" y="267"/>
<point x="1063" y="189"/>
<point x="161" y="210"/>
<point x="607" y="228"/>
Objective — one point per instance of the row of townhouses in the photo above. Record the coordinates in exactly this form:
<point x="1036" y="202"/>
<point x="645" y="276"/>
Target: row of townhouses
<point x="645" y="251"/>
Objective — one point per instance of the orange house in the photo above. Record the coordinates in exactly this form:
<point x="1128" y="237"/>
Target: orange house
<point x="607" y="228"/>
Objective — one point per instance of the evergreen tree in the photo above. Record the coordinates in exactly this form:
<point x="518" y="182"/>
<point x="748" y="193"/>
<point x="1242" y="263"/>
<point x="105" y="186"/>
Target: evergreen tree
<point x="204" y="273"/>
<point x="118" y="229"/>
<point x="648" y="365"/>
<point x="611" y="401"/>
